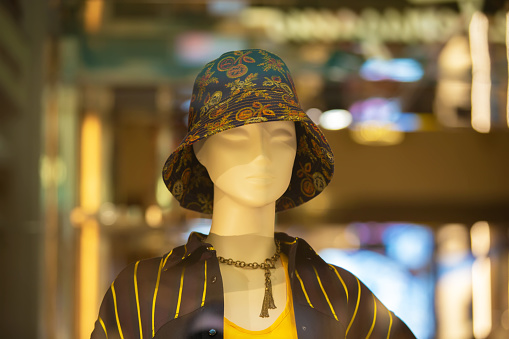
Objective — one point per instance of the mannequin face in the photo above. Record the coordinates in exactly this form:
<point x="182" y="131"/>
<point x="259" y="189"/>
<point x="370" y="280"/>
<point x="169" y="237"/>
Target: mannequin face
<point x="252" y="164"/>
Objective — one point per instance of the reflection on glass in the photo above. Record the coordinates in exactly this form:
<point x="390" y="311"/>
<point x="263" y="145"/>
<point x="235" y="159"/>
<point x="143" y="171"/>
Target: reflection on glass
<point x="481" y="279"/>
<point x="454" y="282"/>
<point x="314" y="114"/>
<point x="402" y="70"/>
<point x="481" y="69"/>
<point x="335" y="119"/>
<point x="90" y="197"/>
<point x="154" y="216"/>
<point x="93" y="15"/>
<point x="507" y="48"/>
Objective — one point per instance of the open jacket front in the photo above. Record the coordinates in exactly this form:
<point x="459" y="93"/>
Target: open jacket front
<point x="180" y="295"/>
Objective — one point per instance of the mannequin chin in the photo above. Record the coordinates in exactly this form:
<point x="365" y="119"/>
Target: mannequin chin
<point x="250" y="165"/>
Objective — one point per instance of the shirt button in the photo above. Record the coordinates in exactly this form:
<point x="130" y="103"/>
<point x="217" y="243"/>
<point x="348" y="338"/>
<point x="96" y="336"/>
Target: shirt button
<point x="304" y="328"/>
<point x="212" y="332"/>
<point x="213" y="279"/>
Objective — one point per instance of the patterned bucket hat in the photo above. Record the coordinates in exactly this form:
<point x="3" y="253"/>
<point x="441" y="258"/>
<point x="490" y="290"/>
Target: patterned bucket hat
<point x="236" y="89"/>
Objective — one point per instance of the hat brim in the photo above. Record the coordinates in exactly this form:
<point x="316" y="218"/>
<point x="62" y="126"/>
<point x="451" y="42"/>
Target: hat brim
<point x="188" y="180"/>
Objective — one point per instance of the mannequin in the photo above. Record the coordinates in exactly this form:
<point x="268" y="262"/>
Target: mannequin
<point x="250" y="167"/>
<point x="250" y="151"/>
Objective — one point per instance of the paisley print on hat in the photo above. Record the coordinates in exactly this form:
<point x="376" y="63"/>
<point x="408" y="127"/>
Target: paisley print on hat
<point x="236" y="89"/>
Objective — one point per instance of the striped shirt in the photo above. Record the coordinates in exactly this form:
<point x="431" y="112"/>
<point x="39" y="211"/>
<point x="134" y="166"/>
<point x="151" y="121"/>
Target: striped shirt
<point x="180" y="295"/>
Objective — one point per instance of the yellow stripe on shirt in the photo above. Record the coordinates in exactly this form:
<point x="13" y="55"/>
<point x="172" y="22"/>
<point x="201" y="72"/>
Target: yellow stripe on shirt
<point x="161" y="265"/>
<point x="374" y="319"/>
<point x="137" y="297"/>
<point x="180" y="293"/>
<point x="342" y="281"/>
<point x="325" y="294"/>
<point x="303" y="288"/>
<point x="204" y="286"/>
<point x="390" y="325"/>
<point x="104" y="327"/>
<point x="116" y="310"/>
<point x="356" y="306"/>
<point x="166" y="258"/>
<point x="185" y="251"/>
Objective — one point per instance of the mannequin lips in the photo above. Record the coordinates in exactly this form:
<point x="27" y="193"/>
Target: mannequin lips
<point x="260" y="178"/>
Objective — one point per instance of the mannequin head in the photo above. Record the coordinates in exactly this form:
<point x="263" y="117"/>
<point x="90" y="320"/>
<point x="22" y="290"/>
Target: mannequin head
<point x="252" y="164"/>
<point x="239" y="88"/>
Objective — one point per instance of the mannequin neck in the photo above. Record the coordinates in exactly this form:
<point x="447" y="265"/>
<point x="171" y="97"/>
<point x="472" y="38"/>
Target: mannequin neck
<point x="242" y="232"/>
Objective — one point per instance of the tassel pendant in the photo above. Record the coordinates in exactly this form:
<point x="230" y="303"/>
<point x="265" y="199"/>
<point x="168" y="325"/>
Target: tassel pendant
<point x="268" y="298"/>
<point x="270" y="263"/>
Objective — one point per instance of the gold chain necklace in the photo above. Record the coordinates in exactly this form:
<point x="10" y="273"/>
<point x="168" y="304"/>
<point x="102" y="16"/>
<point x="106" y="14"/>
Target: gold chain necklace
<point x="270" y="263"/>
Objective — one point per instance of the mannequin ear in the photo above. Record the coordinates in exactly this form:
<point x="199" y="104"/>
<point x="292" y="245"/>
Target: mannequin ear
<point x="199" y="152"/>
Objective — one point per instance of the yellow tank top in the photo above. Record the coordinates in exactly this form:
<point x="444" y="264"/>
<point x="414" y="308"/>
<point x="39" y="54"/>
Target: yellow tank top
<point x="283" y="327"/>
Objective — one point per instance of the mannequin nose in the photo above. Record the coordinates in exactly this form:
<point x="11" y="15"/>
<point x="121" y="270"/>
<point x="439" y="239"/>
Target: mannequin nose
<point x="261" y="145"/>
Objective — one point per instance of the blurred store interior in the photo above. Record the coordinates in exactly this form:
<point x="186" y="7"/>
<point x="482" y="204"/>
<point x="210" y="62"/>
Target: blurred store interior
<point x="411" y="94"/>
